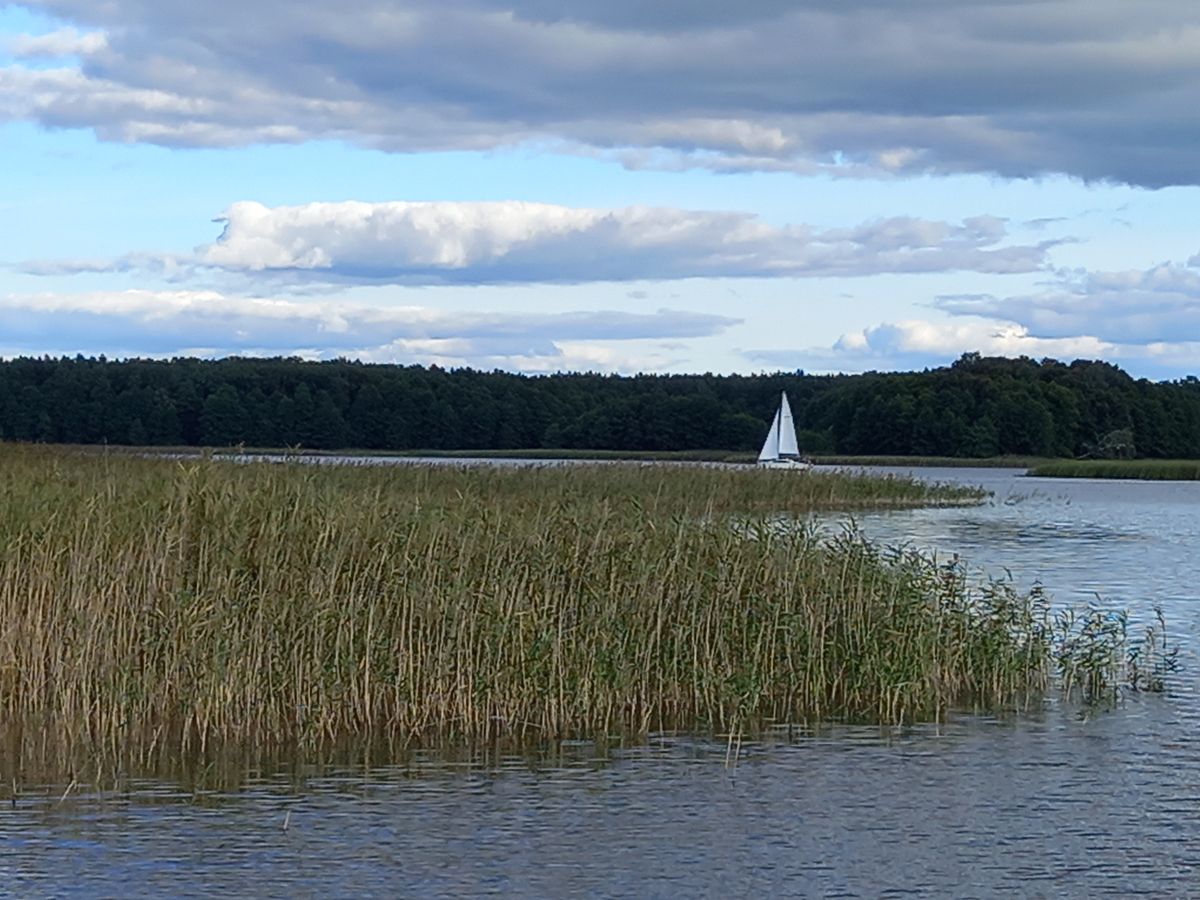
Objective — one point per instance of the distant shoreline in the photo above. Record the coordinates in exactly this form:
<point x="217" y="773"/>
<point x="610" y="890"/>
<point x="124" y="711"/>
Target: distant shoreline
<point x="1040" y="467"/>
<point x="724" y="456"/>
<point x="1126" y="469"/>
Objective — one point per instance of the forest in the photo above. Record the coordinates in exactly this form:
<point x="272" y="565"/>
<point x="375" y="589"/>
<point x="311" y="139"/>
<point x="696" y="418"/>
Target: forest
<point x="976" y="407"/>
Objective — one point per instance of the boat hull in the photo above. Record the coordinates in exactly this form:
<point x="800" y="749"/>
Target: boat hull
<point x="795" y="465"/>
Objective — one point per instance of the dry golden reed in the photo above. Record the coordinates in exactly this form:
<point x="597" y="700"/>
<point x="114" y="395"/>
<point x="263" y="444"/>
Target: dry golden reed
<point x="188" y="603"/>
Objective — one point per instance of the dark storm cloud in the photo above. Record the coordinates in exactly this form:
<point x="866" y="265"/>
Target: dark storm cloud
<point x="1100" y="89"/>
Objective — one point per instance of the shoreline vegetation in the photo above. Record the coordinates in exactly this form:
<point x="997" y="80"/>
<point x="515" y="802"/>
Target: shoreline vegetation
<point x="1129" y="469"/>
<point x="976" y="408"/>
<point x="1042" y="467"/>
<point x="583" y="455"/>
<point x="166" y="607"/>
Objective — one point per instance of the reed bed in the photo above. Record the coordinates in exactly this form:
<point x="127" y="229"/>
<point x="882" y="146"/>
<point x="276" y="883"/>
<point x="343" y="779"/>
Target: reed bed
<point x="1141" y="469"/>
<point x="536" y="453"/>
<point x="189" y="604"/>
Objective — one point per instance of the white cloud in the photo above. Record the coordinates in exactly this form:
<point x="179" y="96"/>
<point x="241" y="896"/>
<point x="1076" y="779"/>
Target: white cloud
<point x="1157" y="305"/>
<point x="165" y="323"/>
<point x="920" y="338"/>
<point x="1148" y="320"/>
<point x="60" y="43"/>
<point x="917" y="344"/>
<point x="1092" y="88"/>
<point x="563" y="356"/>
<point x="515" y="242"/>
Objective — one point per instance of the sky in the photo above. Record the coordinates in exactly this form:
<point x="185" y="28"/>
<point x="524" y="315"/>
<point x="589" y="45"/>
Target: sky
<point x="618" y="186"/>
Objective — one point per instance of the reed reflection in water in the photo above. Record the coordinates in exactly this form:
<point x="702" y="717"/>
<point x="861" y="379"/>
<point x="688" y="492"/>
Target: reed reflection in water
<point x="1054" y="804"/>
<point x="1042" y="806"/>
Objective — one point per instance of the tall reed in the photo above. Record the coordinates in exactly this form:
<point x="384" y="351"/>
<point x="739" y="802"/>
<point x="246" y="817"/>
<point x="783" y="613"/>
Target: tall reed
<point x="181" y="603"/>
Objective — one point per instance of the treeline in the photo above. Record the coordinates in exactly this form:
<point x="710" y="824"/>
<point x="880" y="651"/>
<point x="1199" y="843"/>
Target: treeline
<point x="977" y="407"/>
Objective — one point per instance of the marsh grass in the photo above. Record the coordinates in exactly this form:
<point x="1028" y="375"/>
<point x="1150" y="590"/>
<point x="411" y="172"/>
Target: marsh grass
<point x="531" y="453"/>
<point x="174" y="606"/>
<point x="583" y="455"/>
<point x="1142" y="469"/>
<point x="1096" y="659"/>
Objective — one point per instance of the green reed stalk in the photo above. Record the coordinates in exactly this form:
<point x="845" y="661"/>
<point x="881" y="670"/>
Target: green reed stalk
<point x="183" y="604"/>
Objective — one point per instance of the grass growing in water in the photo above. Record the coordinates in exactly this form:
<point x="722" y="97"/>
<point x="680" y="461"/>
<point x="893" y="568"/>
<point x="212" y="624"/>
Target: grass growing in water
<point x="1143" y="469"/>
<point x="181" y="604"/>
<point x="1095" y="658"/>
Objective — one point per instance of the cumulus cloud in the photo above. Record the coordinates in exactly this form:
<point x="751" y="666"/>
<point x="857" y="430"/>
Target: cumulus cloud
<point x="1161" y="304"/>
<point x="563" y="356"/>
<point x="922" y="339"/>
<point x="917" y="344"/>
<point x="165" y="323"/>
<point x="515" y="242"/>
<point x="1093" y="88"/>
<point x="1146" y="319"/>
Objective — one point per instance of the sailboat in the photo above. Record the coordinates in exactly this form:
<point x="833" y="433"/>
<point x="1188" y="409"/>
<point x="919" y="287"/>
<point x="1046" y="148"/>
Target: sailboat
<point x="779" y="450"/>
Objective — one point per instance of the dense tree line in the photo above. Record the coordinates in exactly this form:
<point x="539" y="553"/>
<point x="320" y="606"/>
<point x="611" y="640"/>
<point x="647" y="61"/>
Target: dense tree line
<point x="976" y="407"/>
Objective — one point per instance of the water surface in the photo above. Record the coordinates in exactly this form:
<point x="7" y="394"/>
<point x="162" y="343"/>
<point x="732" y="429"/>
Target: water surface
<point x="1047" y="805"/>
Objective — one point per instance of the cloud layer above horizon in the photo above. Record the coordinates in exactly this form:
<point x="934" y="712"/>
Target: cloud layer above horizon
<point x="1096" y="89"/>
<point x="618" y="186"/>
<point x="183" y="322"/>
<point x="517" y="242"/>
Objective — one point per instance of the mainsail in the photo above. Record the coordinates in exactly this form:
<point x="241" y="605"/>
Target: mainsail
<point x="787" y="430"/>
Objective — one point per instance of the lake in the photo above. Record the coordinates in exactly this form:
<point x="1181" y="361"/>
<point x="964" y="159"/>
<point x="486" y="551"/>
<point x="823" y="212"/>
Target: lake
<point x="1055" y="803"/>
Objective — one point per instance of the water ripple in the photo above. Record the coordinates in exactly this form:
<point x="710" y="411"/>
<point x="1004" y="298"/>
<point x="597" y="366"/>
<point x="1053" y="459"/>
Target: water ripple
<point x="1048" y="805"/>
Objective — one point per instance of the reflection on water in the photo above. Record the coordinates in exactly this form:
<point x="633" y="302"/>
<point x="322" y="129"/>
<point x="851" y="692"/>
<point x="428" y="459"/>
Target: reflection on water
<point x="1049" y="805"/>
<point x="1132" y="544"/>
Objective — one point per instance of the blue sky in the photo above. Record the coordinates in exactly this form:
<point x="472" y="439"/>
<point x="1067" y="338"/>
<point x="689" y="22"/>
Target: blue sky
<point x="615" y="187"/>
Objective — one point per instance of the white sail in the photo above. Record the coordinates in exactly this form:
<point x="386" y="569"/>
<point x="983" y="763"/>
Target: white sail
<point x="770" y="447"/>
<point x="787" y="430"/>
<point x="779" y="450"/>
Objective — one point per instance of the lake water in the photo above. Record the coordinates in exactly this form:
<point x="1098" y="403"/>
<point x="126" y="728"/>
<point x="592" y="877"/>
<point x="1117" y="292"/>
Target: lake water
<point x="1047" y="805"/>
